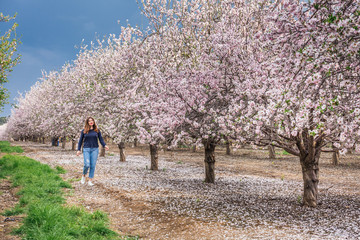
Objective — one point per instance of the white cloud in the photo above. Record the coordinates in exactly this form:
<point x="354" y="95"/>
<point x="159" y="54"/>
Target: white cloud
<point x="40" y="57"/>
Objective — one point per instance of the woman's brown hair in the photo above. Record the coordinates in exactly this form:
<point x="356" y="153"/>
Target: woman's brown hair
<point x="87" y="126"/>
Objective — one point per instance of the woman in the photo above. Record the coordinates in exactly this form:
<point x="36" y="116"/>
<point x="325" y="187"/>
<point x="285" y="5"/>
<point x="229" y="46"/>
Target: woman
<point x="90" y="135"/>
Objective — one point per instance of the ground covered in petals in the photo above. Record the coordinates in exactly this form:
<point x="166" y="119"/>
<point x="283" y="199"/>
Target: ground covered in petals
<point x="253" y="197"/>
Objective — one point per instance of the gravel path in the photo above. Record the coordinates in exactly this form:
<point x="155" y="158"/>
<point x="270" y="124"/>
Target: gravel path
<point x="175" y="203"/>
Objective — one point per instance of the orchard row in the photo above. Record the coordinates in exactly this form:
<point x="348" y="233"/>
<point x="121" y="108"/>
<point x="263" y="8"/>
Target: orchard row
<point x="269" y="73"/>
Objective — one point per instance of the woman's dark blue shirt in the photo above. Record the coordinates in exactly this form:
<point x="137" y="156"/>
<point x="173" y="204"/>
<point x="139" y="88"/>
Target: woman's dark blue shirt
<point x="90" y="139"/>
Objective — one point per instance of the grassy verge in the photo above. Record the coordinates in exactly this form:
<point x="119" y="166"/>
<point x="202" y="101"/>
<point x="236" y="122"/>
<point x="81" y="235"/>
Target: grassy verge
<point x="6" y="148"/>
<point x="41" y="199"/>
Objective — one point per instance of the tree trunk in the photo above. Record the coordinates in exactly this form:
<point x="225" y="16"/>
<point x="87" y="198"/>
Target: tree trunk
<point x="154" y="157"/>
<point x="310" y="170"/>
<point x="228" y="149"/>
<point x="43" y="140"/>
<point x="194" y="148"/>
<point x="335" y="158"/>
<point x="135" y="142"/>
<point x="73" y="144"/>
<point x="63" y="142"/>
<point x="271" y="152"/>
<point x="121" y="147"/>
<point x="209" y="161"/>
<point x="102" y="152"/>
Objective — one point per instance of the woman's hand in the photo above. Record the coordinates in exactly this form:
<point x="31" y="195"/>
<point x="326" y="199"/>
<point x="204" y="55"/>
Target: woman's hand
<point x="78" y="153"/>
<point x="106" y="147"/>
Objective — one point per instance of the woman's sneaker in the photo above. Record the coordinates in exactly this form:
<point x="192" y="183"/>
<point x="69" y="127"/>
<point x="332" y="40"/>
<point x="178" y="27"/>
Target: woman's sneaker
<point x="82" y="180"/>
<point x="90" y="183"/>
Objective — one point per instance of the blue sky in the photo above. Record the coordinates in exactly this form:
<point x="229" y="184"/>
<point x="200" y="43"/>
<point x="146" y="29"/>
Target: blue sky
<point x="51" y="30"/>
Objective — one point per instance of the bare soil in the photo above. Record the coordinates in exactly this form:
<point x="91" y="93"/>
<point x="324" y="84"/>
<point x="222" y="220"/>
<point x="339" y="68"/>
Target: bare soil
<point x="253" y="197"/>
<point x="8" y="199"/>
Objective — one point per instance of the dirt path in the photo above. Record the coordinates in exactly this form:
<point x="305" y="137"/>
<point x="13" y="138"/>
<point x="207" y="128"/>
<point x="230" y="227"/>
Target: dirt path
<point x="8" y="199"/>
<point x="253" y="197"/>
<point x="131" y="212"/>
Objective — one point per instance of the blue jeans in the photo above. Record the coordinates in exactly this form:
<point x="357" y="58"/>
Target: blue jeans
<point x="90" y="158"/>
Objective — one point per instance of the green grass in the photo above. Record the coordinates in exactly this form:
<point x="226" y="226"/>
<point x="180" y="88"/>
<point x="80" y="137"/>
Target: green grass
<point x="284" y="152"/>
<point x="60" y="170"/>
<point x="74" y="179"/>
<point x="299" y="199"/>
<point x="41" y="199"/>
<point x="6" y="148"/>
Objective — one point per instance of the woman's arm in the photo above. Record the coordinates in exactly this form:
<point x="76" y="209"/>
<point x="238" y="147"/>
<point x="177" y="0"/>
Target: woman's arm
<point x="81" y="140"/>
<point x="102" y="141"/>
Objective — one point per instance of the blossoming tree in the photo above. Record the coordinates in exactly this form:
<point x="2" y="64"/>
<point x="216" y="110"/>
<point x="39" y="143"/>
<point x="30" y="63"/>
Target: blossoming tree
<point x="204" y="49"/>
<point x="312" y="63"/>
